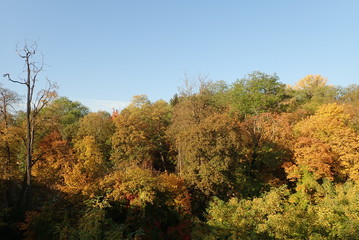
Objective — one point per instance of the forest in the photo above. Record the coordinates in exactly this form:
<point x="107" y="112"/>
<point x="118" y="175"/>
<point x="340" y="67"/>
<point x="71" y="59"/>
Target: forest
<point x="254" y="159"/>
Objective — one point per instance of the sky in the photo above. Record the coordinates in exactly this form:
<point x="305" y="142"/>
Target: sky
<point x="102" y="53"/>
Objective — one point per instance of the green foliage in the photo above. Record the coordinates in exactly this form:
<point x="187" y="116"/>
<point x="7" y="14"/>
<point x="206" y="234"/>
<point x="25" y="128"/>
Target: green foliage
<point x="63" y="115"/>
<point x="258" y="93"/>
<point x="332" y="214"/>
<point x="94" y="225"/>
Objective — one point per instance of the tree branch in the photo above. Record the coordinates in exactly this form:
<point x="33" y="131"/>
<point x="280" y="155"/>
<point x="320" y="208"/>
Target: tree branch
<point x="11" y="80"/>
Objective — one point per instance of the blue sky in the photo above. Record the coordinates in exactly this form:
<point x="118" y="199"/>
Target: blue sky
<point x="104" y="52"/>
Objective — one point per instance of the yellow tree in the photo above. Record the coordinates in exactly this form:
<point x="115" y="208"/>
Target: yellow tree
<point x="139" y="137"/>
<point x="327" y="145"/>
<point x="312" y="91"/>
<point x="100" y="126"/>
<point x="10" y="135"/>
<point x="82" y="175"/>
<point x="310" y="83"/>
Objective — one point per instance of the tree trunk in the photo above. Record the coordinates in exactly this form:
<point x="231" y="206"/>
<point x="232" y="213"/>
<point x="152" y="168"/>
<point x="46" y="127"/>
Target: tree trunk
<point x="29" y="138"/>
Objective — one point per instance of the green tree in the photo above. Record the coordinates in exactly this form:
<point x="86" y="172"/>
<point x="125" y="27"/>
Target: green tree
<point x="258" y="93"/>
<point x="315" y="211"/>
<point x="63" y="115"/>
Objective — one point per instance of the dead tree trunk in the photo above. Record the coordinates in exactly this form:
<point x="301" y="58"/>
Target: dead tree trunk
<point x="33" y="107"/>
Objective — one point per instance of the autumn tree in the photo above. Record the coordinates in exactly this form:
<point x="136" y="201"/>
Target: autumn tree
<point x="54" y="144"/>
<point x="208" y="152"/>
<point x="81" y="176"/>
<point x="10" y="134"/>
<point x="35" y="102"/>
<point x="54" y="149"/>
<point x="326" y="145"/>
<point x="139" y="137"/>
<point x="312" y="91"/>
<point x="54" y="155"/>
<point x="157" y="203"/>
<point x="350" y="97"/>
<point x="100" y="126"/>
<point x="267" y="141"/>
<point x="206" y="140"/>
<point x="350" y="94"/>
<point x="92" y="148"/>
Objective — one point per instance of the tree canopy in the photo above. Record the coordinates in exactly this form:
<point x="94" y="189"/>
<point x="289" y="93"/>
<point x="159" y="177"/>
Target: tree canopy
<point x="255" y="159"/>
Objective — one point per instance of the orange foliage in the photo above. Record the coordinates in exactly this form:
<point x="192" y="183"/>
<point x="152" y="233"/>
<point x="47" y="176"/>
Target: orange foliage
<point x="83" y="175"/>
<point x="53" y="155"/>
<point x="327" y="144"/>
<point x="178" y="196"/>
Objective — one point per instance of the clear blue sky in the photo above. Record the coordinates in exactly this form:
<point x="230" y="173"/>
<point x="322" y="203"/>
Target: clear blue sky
<point x="104" y="52"/>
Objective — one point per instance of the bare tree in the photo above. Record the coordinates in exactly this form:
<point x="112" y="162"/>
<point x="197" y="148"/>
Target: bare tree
<point x="35" y="102"/>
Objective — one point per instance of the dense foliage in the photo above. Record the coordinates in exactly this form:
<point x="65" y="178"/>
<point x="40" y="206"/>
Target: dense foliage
<point x="255" y="159"/>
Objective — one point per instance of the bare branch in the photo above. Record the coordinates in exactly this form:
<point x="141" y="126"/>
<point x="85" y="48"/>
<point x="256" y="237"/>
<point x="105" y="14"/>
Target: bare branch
<point x="11" y="80"/>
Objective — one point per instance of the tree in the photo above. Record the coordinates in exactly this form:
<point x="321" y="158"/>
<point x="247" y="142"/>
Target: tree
<point x="100" y="126"/>
<point x="140" y="132"/>
<point x="206" y="141"/>
<point x="83" y="173"/>
<point x="54" y="154"/>
<point x="258" y="93"/>
<point x="350" y="96"/>
<point x="312" y="91"/>
<point x="63" y="115"/>
<point x="326" y="145"/>
<point x="35" y="102"/>
<point x="9" y="134"/>
<point x="267" y="139"/>
<point x="209" y="153"/>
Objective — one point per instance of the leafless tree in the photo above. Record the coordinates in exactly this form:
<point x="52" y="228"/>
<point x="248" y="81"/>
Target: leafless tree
<point x="35" y="102"/>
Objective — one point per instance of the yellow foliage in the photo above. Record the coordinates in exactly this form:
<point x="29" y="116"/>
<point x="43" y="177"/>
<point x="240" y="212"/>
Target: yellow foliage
<point x="311" y="82"/>
<point x="132" y="184"/>
<point x="327" y="144"/>
<point x="179" y="197"/>
<point x="53" y="155"/>
<point x="140" y="133"/>
<point x="83" y="175"/>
